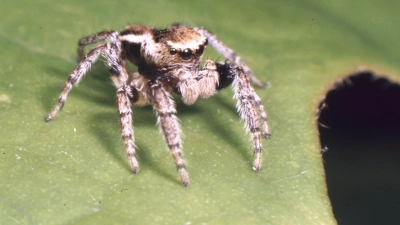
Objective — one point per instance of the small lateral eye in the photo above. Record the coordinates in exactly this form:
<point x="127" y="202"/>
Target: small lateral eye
<point x="158" y="39"/>
<point x="199" y="51"/>
<point x="173" y="51"/>
<point x="186" y="53"/>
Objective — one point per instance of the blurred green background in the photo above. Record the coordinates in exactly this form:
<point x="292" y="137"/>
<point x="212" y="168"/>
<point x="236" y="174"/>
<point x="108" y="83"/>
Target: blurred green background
<point x="73" y="170"/>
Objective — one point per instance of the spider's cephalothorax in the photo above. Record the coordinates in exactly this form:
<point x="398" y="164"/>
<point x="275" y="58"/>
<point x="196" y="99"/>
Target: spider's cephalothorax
<point x="169" y="60"/>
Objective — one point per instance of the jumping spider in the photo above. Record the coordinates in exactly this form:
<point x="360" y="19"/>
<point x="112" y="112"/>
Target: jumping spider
<point x="168" y="60"/>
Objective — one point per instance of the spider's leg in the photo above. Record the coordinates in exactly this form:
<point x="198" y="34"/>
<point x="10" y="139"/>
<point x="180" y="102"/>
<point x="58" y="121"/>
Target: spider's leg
<point x="227" y="74"/>
<point x="244" y="93"/>
<point x="229" y="54"/>
<point x="101" y="36"/>
<point x="263" y="115"/>
<point x="165" y="108"/>
<point x="125" y="118"/>
<point x="75" y="77"/>
<point x="249" y="107"/>
<point x="125" y="92"/>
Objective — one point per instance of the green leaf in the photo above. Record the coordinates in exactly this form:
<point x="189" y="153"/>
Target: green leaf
<point x="73" y="170"/>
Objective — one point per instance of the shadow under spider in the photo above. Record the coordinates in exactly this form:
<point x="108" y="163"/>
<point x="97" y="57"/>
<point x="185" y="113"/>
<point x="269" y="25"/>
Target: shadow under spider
<point x="231" y="136"/>
<point x="114" y="148"/>
<point x="97" y="87"/>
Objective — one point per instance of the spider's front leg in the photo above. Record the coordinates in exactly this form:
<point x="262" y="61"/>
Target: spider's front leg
<point x="249" y="105"/>
<point x="125" y="118"/>
<point x="125" y="93"/>
<point x="165" y="108"/>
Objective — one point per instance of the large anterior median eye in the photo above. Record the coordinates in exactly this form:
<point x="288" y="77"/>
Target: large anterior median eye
<point x="186" y="53"/>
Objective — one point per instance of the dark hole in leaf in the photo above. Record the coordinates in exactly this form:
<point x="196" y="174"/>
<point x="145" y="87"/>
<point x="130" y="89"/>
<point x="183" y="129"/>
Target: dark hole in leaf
<point x="360" y="125"/>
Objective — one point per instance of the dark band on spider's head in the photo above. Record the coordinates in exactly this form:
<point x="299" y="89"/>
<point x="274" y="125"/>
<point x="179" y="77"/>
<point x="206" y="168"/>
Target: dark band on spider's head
<point x="226" y="75"/>
<point x="132" y="50"/>
<point x="135" y="30"/>
<point x="159" y="35"/>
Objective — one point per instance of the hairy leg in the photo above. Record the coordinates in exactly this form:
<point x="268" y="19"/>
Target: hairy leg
<point x="125" y="93"/>
<point x="75" y="77"/>
<point x="229" y="54"/>
<point x="101" y="36"/>
<point x="249" y="107"/>
<point x="165" y="108"/>
<point x="125" y="118"/>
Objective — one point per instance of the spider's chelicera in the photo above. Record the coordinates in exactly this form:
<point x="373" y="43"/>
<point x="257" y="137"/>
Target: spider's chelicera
<point x="168" y="61"/>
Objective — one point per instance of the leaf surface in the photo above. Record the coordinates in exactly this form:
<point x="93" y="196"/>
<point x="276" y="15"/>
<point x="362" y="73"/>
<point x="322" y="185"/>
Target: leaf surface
<point x="73" y="170"/>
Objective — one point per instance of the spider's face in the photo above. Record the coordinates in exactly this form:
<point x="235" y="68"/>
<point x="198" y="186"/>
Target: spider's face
<point x="181" y="47"/>
<point x="158" y="52"/>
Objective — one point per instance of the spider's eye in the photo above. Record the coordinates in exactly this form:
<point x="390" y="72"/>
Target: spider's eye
<point x="186" y="53"/>
<point x="199" y="51"/>
<point x="158" y="39"/>
<point x="172" y="51"/>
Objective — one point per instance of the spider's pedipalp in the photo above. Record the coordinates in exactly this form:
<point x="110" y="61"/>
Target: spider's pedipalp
<point x="209" y="79"/>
